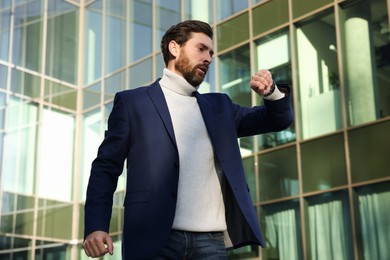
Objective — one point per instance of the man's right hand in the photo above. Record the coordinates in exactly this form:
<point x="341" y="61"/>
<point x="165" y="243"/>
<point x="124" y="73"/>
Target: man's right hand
<point x="97" y="244"/>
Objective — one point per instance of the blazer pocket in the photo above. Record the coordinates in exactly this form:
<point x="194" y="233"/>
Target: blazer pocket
<point x="136" y="197"/>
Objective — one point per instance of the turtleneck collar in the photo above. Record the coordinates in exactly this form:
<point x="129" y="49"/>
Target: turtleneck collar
<point x="177" y="83"/>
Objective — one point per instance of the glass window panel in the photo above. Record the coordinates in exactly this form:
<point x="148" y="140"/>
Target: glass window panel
<point x="281" y="228"/>
<point x="276" y="179"/>
<point x="301" y="7"/>
<point x="7" y="202"/>
<point x="56" y="165"/>
<point x="114" y="84"/>
<point x="329" y="226"/>
<point x="233" y="32"/>
<point x="228" y="8"/>
<point x="274" y="12"/>
<point x="160" y="65"/>
<point x="91" y="95"/>
<point x="5" y="4"/>
<point x="199" y="10"/>
<point x="273" y="53"/>
<point x="140" y="74"/>
<point x="60" y="95"/>
<point x="62" y="41"/>
<point x="48" y="251"/>
<point x="323" y="163"/>
<point x="319" y="92"/>
<point x="92" y="136"/>
<point x="373" y="203"/>
<point x="93" y="42"/>
<point x="25" y="202"/>
<point x="245" y="252"/>
<point x="24" y="223"/>
<point x="234" y="75"/>
<point x="3" y="76"/>
<point x="25" y="83"/>
<point x="208" y="84"/>
<point x="369" y="149"/>
<point x="140" y="29"/>
<point x="20" y="148"/>
<point x="2" y="113"/>
<point x="5" y="16"/>
<point x="55" y="222"/>
<point x="115" y="49"/>
<point x="27" y="35"/>
<point x="366" y="48"/>
<point x="167" y="14"/>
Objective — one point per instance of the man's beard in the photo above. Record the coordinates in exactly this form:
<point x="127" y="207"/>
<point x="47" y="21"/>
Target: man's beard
<point x="190" y="74"/>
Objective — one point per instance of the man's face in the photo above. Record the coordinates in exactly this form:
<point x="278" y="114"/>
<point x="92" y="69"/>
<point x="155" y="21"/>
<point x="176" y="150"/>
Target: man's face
<point x="194" y="58"/>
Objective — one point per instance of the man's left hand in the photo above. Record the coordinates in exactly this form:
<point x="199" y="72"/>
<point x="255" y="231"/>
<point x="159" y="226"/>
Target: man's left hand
<point x="261" y="82"/>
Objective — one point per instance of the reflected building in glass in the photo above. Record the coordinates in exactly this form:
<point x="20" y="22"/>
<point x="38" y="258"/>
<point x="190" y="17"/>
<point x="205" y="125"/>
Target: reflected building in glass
<point x="321" y="188"/>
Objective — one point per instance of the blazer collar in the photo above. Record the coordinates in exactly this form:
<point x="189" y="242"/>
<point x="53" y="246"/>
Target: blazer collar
<point x="160" y="103"/>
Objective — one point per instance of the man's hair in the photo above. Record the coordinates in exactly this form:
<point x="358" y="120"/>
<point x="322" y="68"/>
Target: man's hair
<point x="181" y="33"/>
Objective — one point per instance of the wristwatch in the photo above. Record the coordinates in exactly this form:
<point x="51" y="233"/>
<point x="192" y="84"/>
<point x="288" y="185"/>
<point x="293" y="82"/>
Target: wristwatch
<point x="271" y="90"/>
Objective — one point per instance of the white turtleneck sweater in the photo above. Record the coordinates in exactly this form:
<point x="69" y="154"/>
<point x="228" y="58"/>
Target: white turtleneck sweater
<point x="200" y="206"/>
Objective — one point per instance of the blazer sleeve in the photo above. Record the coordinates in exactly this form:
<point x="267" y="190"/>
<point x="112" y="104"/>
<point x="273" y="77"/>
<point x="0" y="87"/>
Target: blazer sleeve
<point x="272" y="116"/>
<point x="106" y="169"/>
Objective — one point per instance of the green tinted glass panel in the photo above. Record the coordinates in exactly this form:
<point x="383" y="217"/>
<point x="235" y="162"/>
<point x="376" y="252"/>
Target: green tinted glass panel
<point x="369" y="149"/>
<point x="280" y="224"/>
<point x="140" y="74"/>
<point x="60" y="95"/>
<point x="233" y="32"/>
<point x="91" y="95"/>
<point x="269" y="15"/>
<point x="24" y="223"/>
<point x="55" y="222"/>
<point x="25" y="83"/>
<point x="301" y="7"/>
<point x="323" y="163"/>
<point x="329" y="226"/>
<point x="372" y="205"/>
<point x="278" y="174"/>
<point x="366" y="59"/>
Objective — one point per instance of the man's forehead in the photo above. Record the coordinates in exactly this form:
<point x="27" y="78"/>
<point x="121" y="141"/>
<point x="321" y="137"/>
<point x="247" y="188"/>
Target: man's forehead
<point x="201" y="38"/>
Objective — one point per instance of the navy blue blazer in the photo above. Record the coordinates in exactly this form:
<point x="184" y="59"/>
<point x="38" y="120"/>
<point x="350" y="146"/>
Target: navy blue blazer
<point x="140" y="130"/>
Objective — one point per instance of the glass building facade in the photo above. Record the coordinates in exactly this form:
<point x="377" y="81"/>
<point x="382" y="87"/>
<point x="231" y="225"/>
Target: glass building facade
<point x="321" y="188"/>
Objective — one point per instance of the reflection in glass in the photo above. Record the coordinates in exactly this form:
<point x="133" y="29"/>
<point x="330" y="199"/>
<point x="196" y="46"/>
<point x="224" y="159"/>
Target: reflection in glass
<point x="228" y="8"/>
<point x="114" y="84"/>
<point x="323" y="163"/>
<point x="20" y="147"/>
<point x="115" y="35"/>
<point x="280" y="224"/>
<point x="366" y="44"/>
<point x="27" y="35"/>
<point x="140" y="25"/>
<point x="56" y="155"/>
<point x="25" y="83"/>
<point x="167" y="14"/>
<point x="92" y="136"/>
<point x="233" y="32"/>
<point x="61" y="95"/>
<point x="5" y="16"/>
<point x="373" y="220"/>
<point x="93" y="42"/>
<point x="140" y="74"/>
<point x="276" y="179"/>
<point x="3" y="76"/>
<point x="369" y="149"/>
<point x="62" y="41"/>
<point x="329" y="227"/>
<point x="319" y="92"/>
<point x="273" y="53"/>
<point x="199" y="10"/>
<point x="91" y="95"/>
<point x="234" y="75"/>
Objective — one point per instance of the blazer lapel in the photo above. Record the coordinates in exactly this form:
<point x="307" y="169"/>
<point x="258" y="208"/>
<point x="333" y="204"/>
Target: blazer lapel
<point x="160" y="103"/>
<point x="207" y="111"/>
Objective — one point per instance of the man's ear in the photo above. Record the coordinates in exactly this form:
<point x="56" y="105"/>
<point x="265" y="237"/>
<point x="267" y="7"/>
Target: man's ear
<point x="174" y="48"/>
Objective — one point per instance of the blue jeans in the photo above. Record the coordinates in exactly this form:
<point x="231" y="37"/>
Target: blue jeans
<point x="194" y="245"/>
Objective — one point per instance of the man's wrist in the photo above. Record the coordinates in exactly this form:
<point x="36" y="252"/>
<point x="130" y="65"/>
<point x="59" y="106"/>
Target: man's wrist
<point x="271" y="90"/>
